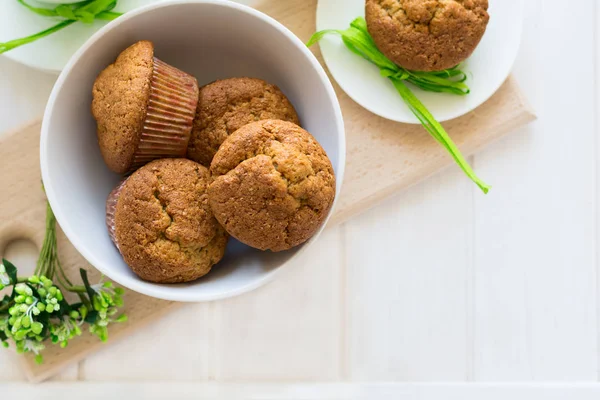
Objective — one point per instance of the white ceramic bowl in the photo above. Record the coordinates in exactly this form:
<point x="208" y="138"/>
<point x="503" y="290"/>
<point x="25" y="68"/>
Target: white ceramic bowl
<point x="210" y="39"/>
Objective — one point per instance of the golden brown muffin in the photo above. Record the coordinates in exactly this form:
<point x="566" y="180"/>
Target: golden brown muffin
<point x="164" y="227"/>
<point x="427" y="35"/>
<point x="143" y="108"/>
<point x="273" y="185"/>
<point x="225" y="106"/>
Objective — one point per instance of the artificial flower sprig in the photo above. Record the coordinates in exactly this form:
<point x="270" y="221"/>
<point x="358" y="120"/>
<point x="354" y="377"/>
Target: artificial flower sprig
<point x="36" y="311"/>
<point x="358" y="40"/>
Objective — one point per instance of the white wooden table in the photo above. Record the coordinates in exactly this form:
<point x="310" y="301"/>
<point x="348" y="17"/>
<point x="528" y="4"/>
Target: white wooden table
<point x="495" y="296"/>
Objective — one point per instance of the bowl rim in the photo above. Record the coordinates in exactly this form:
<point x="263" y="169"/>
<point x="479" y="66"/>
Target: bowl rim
<point x="157" y="290"/>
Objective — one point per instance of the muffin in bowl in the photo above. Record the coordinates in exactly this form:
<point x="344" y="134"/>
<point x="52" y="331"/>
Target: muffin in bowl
<point x="226" y="105"/>
<point x="160" y="221"/>
<point x="144" y="109"/>
<point x="427" y="35"/>
<point x="201" y="38"/>
<point x="273" y="185"/>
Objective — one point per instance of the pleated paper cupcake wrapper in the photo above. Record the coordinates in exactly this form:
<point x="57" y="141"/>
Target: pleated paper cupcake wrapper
<point x="169" y="117"/>
<point x="111" y="209"/>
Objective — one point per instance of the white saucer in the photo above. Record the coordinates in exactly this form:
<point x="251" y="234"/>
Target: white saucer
<point x="52" y="52"/>
<point x="488" y="67"/>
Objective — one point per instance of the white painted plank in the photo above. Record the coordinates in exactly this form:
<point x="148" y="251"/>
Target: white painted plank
<point x="69" y="374"/>
<point x="10" y="370"/>
<point x="24" y="92"/>
<point x="175" y="348"/>
<point x="597" y="198"/>
<point x="306" y="391"/>
<point x="535" y="284"/>
<point x="288" y="329"/>
<point x="407" y="263"/>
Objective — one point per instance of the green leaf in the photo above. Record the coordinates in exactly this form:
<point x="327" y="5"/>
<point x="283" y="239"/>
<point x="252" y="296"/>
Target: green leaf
<point x="85" y="17"/>
<point x="44" y="319"/>
<point x="437" y="131"/>
<point x="86" y="283"/>
<point x="46" y="12"/>
<point x="65" y="11"/>
<point x="96" y="6"/>
<point x="4" y="302"/>
<point x="317" y="36"/>
<point x="91" y="317"/>
<point x="12" y="44"/>
<point x="34" y="290"/>
<point x="11" y="270"/>
<point x="360" y="24"/>
<point x="65" y="308"/>
<point x="108" y="15"/>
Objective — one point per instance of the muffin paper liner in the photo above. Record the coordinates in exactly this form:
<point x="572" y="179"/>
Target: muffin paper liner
<point x="111" y="208"/>
<point x="169" y="116"/>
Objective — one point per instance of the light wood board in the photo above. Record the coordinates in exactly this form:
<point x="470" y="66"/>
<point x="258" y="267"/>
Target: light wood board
<point x="383" y="157"/>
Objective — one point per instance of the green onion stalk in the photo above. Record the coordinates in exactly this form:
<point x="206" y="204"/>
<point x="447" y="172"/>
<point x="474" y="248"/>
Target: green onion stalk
<point x="84" y="11"/>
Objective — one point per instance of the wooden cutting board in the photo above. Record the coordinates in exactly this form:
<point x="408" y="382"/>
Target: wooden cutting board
<point x="383" y="157"/>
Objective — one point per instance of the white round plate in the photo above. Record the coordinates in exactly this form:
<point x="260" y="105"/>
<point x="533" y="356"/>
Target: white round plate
<point x="52" y="52"/>
<point x="487" y="68"/>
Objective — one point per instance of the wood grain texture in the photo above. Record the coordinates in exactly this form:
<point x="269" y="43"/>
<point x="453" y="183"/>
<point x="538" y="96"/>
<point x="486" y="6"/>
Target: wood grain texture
<point x="383" y="157"/>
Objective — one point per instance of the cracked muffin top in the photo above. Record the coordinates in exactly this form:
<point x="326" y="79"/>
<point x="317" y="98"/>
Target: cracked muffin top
<point x="226" y="105"/>
<point x="120" y="98"/>
<point x="427" y="35"/>
<point x="273" y="185"/>
<point x="164" y="227"/>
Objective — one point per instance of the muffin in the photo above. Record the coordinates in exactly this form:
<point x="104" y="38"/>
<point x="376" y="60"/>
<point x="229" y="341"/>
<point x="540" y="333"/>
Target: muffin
<point x="273" y="185"/>
<point x="143" y="108"/>
<point x="111" y="209"/>
<point x="427" y="35"/>
<point x="162" y="223"/>
<point x="225" y="106"/>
